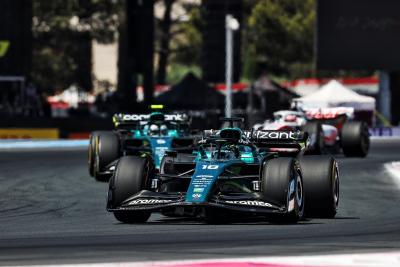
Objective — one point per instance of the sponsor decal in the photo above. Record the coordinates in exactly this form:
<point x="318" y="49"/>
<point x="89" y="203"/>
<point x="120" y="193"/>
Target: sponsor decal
<point x="161" y="141"/>
<point x="244" y="142"/>
<point x="272" y="134"/>
<point x="198" y="190"/>
<point x="26" y="133"/>
<point x="4" y="45"/>
<point x="174" y="117"/>
<point x="249" y="203"/>
<point x="135" y="117"/>
<point x="143" y="117"/>
<point x="204" y="176"/>
<point x="149" y="201"/>
<point x="196" y="196"/>
<point x="329" y="113"/>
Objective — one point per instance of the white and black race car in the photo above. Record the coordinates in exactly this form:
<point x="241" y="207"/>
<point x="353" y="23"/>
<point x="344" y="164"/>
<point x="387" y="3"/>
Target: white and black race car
<point x="330" y="129"/>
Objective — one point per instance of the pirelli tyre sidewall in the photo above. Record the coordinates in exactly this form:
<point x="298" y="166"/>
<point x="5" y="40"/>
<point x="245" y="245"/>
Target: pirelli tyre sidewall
<point x="354" y="139"/>
<point x="282" y="185"/>
<point x="321" y="186"/>
<point x="131" y="175"/>
<point x="107" y="149"/>
<point x="91" y="152"/>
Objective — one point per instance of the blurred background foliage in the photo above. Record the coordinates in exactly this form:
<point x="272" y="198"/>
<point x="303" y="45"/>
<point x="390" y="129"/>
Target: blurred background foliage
<point x="63" y="32"/>
<point x="278" y="39"/>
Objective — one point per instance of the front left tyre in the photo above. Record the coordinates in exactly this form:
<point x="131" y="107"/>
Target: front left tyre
<point x="132" y="175"/>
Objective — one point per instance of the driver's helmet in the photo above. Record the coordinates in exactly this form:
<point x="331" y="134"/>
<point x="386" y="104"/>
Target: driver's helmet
<point x="290" y="118"/>
<point x="153" y="130"/>
<point x="164" y="129"/>
<point x="229" y="152"/>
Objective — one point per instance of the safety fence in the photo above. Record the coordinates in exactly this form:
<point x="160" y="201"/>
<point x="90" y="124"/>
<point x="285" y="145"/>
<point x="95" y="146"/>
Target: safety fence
<point x="384" y="131"/>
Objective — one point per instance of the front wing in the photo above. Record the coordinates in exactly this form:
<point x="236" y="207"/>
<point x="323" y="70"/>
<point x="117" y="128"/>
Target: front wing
<point x="153" y="201"/>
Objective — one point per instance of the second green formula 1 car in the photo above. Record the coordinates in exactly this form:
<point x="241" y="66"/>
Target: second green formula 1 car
<point x="142" y="135"/>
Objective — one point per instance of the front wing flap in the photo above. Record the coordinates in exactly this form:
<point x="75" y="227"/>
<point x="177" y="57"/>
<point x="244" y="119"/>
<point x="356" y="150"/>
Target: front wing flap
<point x="152" y="201"/>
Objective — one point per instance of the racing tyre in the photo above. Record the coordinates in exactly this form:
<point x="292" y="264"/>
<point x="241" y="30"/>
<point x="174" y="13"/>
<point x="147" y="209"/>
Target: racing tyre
<point x="355" y="139"/>
<point x="282" y="185"/>
<point x="91" y="152"/>
<point x="321" y="186"/>
<point x="314" y="130"/>
<point x="107" y="148"/>
<point x="132" y="175"/>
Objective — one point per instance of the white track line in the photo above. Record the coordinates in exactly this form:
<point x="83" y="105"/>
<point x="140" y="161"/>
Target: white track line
<point x="394" y="169"/>
<point x="389" y="259"/>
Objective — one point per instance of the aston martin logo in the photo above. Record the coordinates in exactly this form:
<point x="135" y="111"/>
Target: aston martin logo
<point x="4" y="45"/>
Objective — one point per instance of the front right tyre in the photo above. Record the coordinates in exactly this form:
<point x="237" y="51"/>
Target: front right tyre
<point x="132" y="175"/>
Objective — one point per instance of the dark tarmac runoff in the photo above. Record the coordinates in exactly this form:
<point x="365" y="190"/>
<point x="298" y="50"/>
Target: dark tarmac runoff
<point x="52" y="212"/>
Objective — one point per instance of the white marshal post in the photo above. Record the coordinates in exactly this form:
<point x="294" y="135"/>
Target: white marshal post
<point x="231" y="25"/>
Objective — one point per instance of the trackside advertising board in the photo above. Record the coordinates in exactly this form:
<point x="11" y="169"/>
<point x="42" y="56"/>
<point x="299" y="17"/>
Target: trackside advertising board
<point x="29" y="133"/>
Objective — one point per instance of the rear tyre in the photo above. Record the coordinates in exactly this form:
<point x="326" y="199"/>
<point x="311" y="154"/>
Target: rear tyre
<point x="282" y="185"/>
<point x="131" y="176"/>
<point x="107" y="147"/>
<point x="314" y="130"/>
<point x="355" y="139"/>
<point x="321" y="186"/>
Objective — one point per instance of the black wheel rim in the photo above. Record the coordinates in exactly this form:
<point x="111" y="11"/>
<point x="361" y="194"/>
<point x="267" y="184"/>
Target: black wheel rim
<point x="336" y="186"/>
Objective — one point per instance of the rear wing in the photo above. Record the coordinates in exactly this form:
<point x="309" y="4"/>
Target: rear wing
<point x="277" y="139"/>
<point x="328" y="113"/>
<point x="136" y="119"/>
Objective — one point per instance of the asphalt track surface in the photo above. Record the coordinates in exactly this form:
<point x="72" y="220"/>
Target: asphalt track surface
<point x="52" y="212"/>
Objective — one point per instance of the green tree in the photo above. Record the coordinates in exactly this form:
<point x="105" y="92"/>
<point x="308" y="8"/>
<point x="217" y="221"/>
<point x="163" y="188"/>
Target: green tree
<point x="63" y="32"/>
<point x="187" y="42"/>
<point x="280" y="38"/>
<point x="178" y="41"/>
